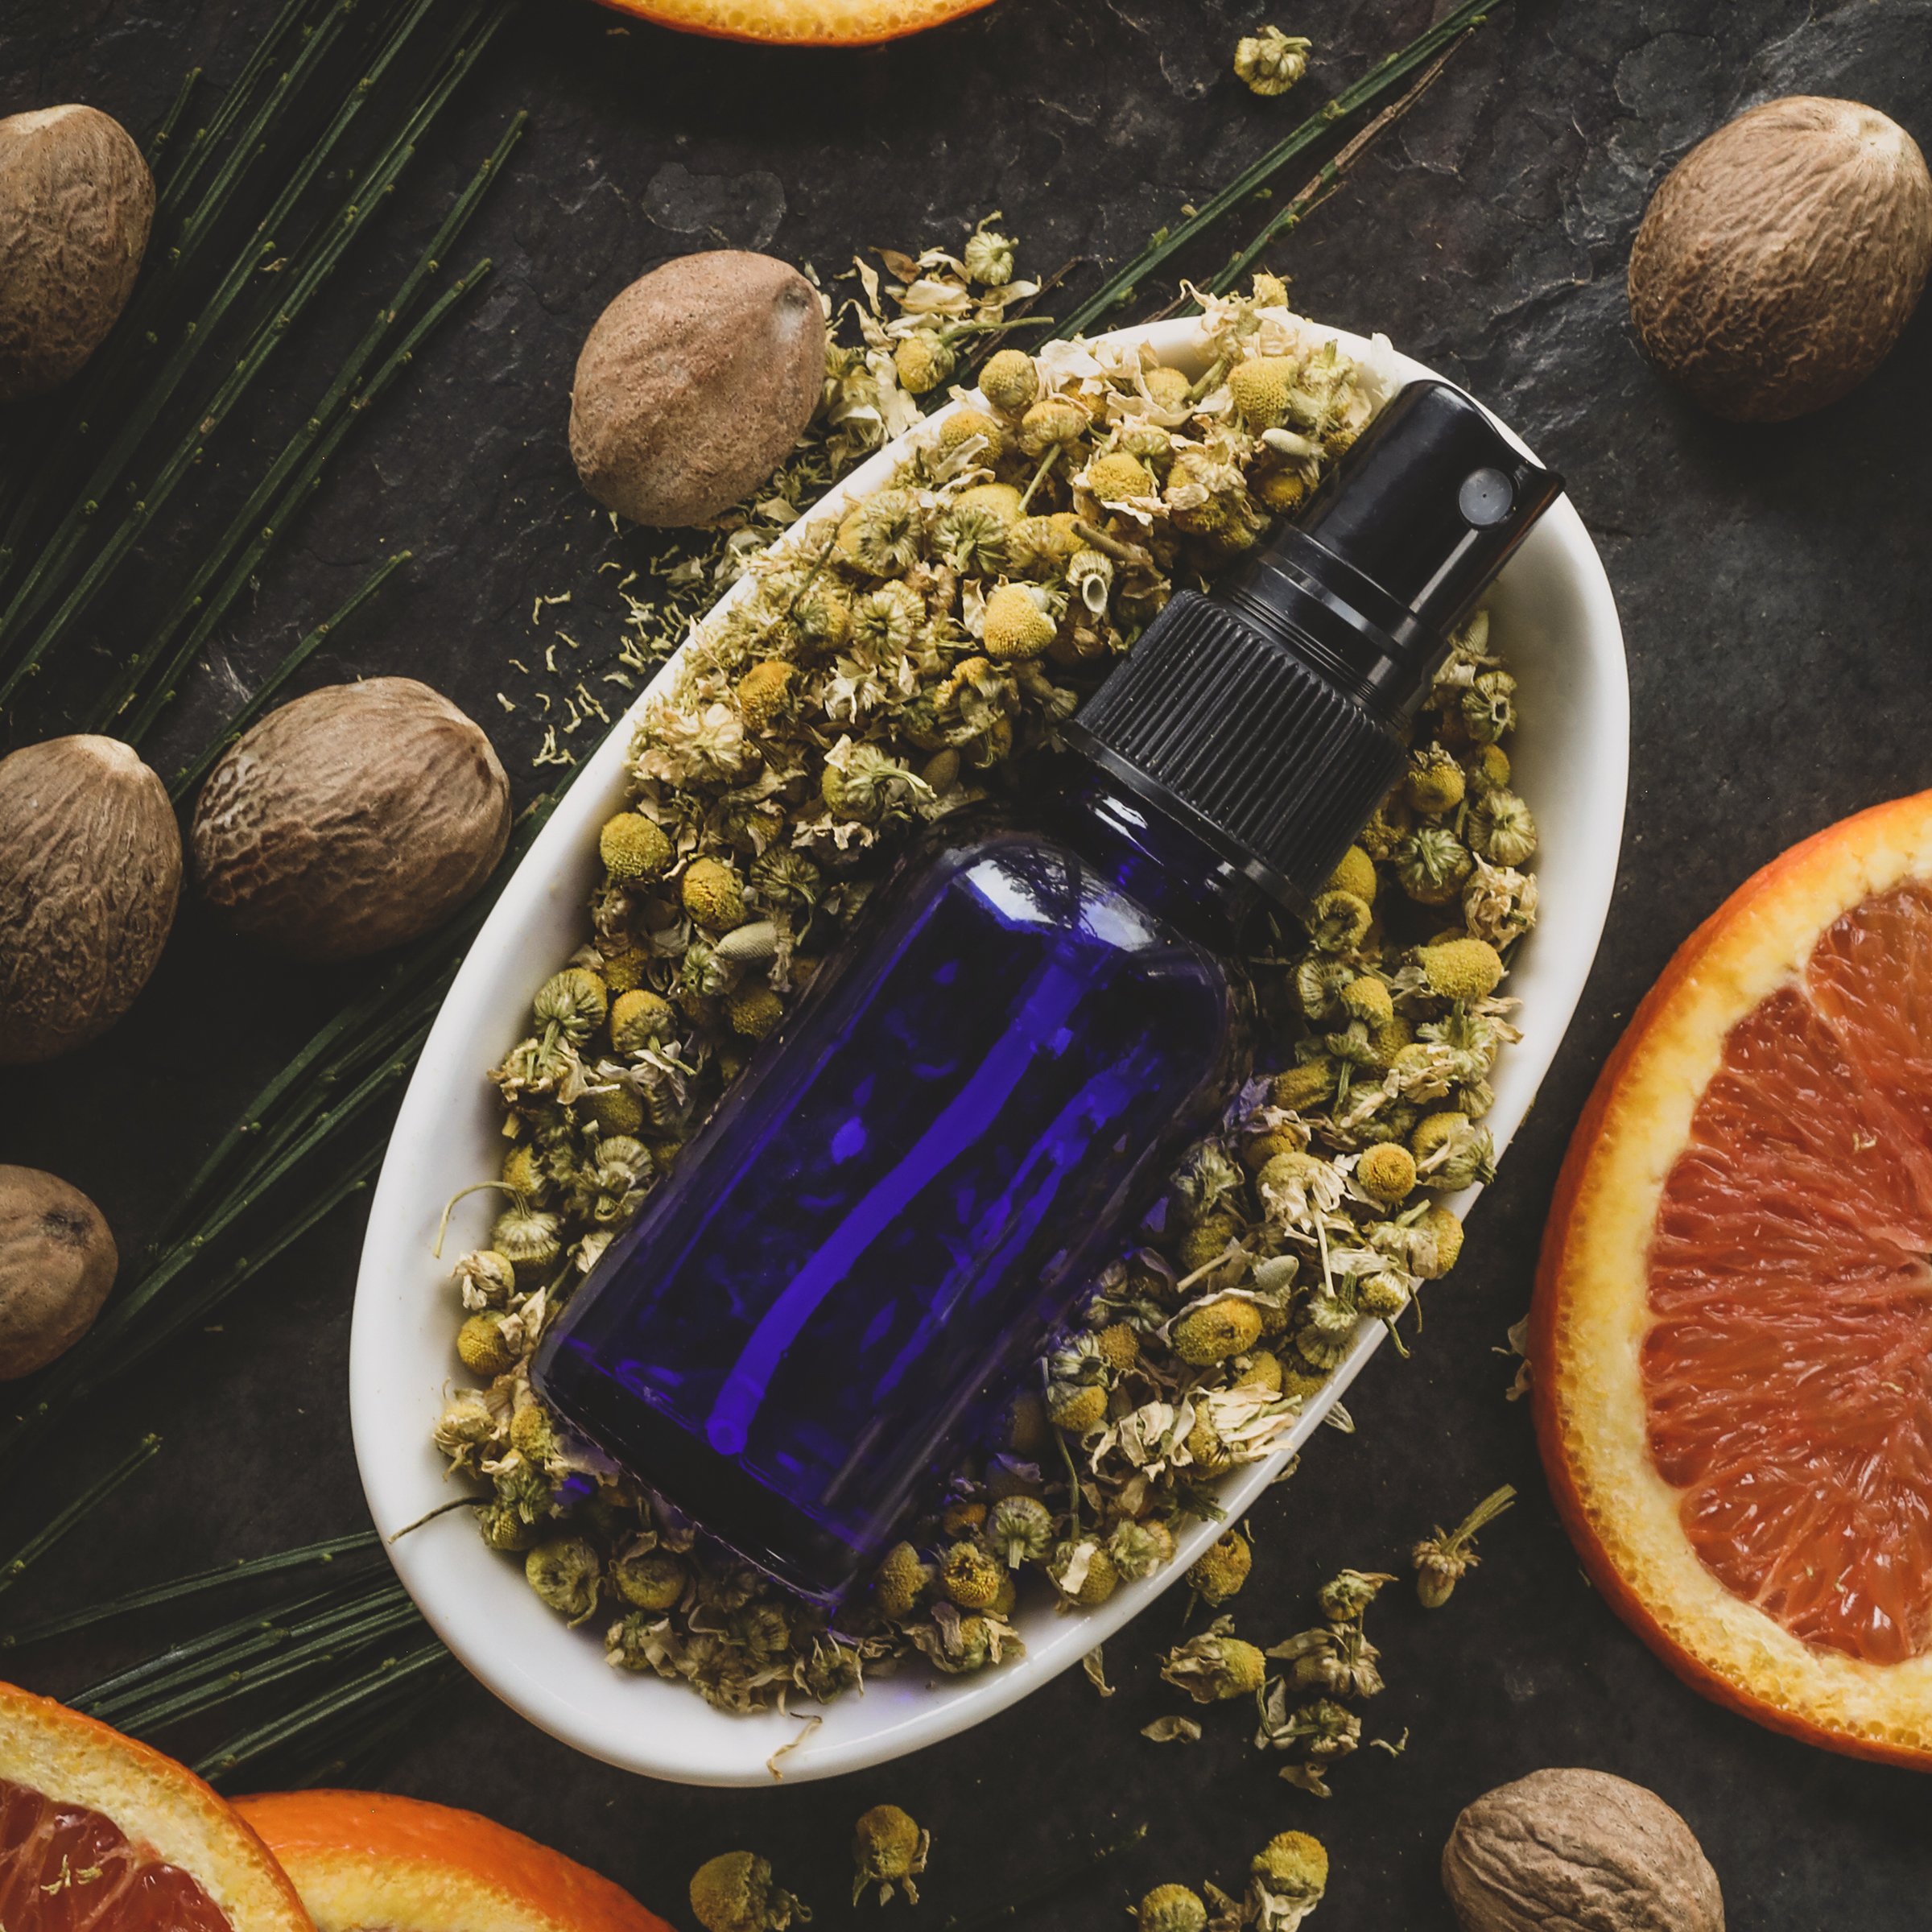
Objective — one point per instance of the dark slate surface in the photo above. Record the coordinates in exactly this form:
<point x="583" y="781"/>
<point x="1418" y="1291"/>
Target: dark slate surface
<point x="1774" y="590"/>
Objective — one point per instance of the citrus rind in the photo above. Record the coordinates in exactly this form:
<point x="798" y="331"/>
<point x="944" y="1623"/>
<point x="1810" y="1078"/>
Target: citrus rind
<point x="159" y="1805"/>
<point x="800" y="22"/>
<point x="364" y="1859"/>
<point x="1592" y="1312"/>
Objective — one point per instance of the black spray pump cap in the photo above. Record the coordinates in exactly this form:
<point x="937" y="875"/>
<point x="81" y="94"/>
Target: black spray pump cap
<point x="1268" y="716"/>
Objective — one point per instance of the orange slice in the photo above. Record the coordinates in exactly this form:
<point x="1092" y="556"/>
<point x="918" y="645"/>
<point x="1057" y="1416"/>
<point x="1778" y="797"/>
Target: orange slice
<point x="1732" y="1341"/>
<point x="365" y="1858"/>
<point x="99" y="1834"/>
<point x="801" y="22"/>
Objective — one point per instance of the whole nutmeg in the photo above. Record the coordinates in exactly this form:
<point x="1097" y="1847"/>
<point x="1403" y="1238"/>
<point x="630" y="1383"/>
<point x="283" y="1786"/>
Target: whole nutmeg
<point x="1580" y="1850"/>
<point x="90" y="871"/>
<point x="1781" y="257"/>
<point x="694" y="384"/>
<point x="57" y="1262"/>
<point x="354" y="819"/>
<point x="75" y="203"/>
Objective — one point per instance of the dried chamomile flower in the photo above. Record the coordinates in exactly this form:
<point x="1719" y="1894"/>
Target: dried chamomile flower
<point x="1017" y="626"/>
<point x="1216" y="1665"/>
<point x="1288" y="1877"/>
<point x="966" y="425"/>
<point x="1090" y="578"/>
<point x="1260" y="387"/>
<point x="1445" y="1233"/>
<point x="1430" y="864"/>
<point x="1218" y="1575"/>
<point x="753" y="1010"/>
<point x="972" y="538"/>
<point x="1338" y="922"/>
<point x="923" y="360"/>
<point x="1019" y="1529"/>
<point x="1387" y="1173"/>
<point x="734" y="1893"/>
<point x="1083" y="1572"/>
<point x="1009" y="380"/>
<point x="467" y="1424"/>
<point x="1216" y="1331"/>
<point x="971" y="1576"/>
<point x="482" y="1347"/>
<point x="1140" y="1549"/>
<point x="1488" y="767"/>
<point x="571" y="1004"/>
<point x="1441" y="1560"/>
<point x="486" y="1279"/>
<point x="528" y="1239"/>
<point x="1369" y="1000"/>
<point x="821" y="619"/>
<point x="765" y="692"/>
<point x="1056" y="421"/>
<point x="987" y="255"/>
<point x="1270" y="62"/>
<point x="1299" y="1089"/>
<point x="1488" y="707"/>
<point x="1172" y="1909"/>
<point x="1451" y="1151"/>
<point x="865" y="785"/>
<point x="1460" y="969"/>
<point x="1355" y="872"/>
<point x="1434" y="783"/>
<point x="651" y="1580"/>
<point x="1116" y="476"/>
<point x="888" y="1849"/>
<point x="563" y="1571"/>
<point x="635" y="849"/>
<point x="711" y="895"/>
<point x="884" y="534"/>
<point x="1337" y="1659"/>
<point x="900" y="1581"/>
<point x="1347" y="1594"/>
<point x="1501" y="829"/>
<point x="640" y="1020"/>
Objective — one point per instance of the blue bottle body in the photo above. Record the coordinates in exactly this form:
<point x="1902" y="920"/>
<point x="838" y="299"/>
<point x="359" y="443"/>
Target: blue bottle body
<point x="912" y="1181"/>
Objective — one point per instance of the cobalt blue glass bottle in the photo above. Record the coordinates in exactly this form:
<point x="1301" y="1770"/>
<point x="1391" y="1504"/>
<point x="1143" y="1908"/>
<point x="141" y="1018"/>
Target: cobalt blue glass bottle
<point x="919" y="1173"/>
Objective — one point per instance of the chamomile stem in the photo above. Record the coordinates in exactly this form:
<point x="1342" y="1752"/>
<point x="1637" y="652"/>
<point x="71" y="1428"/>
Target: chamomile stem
<point x="1379" y="80"/>
<point x="76" y="1512"/>
<point x="243" y="1570"/>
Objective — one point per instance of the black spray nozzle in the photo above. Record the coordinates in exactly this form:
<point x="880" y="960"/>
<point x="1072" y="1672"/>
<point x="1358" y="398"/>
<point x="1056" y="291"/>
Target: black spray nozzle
<point x="1404" y="535"/>
<point x="1268" y="716"/>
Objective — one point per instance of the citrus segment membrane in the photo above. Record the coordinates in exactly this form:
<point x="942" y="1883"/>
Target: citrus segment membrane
<point x="66" y="1869"/>
<point x="1787" y="1372"/>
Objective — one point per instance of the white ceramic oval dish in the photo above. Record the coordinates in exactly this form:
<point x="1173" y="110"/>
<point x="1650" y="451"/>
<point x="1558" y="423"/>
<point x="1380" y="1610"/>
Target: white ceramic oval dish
<point x="1554" y="618"/>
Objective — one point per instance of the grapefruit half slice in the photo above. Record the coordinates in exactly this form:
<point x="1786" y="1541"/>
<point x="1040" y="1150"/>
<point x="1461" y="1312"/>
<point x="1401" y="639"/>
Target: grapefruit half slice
<point x="800" y="22"/>
<point x="101" y="1834"/>
<point x="366" y="1859"/>
<point x="1731" y="1339"/>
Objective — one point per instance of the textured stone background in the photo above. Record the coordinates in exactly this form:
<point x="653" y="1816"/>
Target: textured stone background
<point x="1775" y="596"/>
